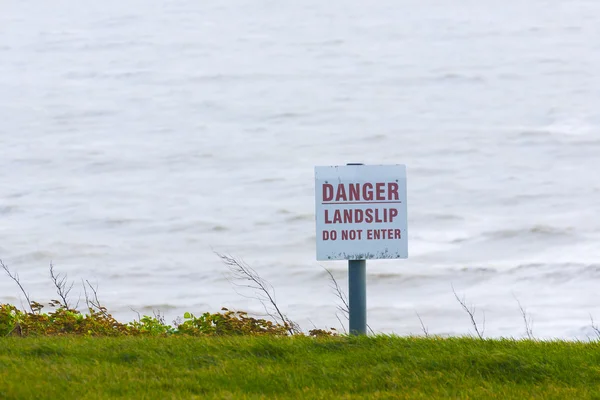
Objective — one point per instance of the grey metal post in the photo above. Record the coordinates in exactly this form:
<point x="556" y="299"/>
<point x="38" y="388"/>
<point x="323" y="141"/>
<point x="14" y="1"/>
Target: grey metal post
<point x="357" y="288"/>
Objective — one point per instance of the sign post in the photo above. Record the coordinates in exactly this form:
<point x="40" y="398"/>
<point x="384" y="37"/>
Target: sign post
<point x="357" y="297"/>
<point x="361" y="214"/>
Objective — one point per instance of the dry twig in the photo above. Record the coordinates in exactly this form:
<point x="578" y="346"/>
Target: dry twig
<point x="423" y="327"/>
<point x="159" y="317"/>
<point x="93" y="302"/>
<point x="341" y="323"/>
<point x="527" y="319"/>
<point x="344" y="307"/>
<point x="15" y="278"/>
<point x="137" y="312"/>
<point x="62" y="286"/>
<point x="471" y="311"/>
<point x="263" y="290"/>
<point x="595" y="327"/>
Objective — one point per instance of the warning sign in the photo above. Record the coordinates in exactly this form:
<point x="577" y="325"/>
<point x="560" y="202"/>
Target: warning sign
<point x="361" y="212"/>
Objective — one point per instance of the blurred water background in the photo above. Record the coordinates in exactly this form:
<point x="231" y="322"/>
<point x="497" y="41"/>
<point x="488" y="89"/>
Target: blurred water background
<point x="138" y="137"/>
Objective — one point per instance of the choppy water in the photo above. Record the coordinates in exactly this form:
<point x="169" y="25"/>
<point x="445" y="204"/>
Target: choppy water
<point x="137" y="137"/>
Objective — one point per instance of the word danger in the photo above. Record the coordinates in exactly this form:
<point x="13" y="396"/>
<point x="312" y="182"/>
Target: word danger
<point x="358" y="216"/>
<point x="360" y="234"/>
<point x="357" y="192"/>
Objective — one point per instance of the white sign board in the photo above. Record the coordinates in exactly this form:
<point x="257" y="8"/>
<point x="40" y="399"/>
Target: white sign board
<point x="361" y="212"/>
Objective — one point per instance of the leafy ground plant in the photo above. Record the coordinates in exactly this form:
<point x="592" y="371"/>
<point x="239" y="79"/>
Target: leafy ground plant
<point x="62" y="319"/>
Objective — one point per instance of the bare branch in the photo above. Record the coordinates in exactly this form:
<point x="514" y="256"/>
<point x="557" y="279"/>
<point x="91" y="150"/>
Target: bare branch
<point x="293" y="326"/>
<point x="15" y="278"/>
<point x="87" y="297"/>
<point x="423" y="327"/>
<point x="344" y="307"/>
<point x="264" y="291"/>
<point x="471" y="311"/>
<point x="595" y="327"/>
<point x="340" y="321"/>
<point x="370" y="330"/>
<point x="177" y="321"/>
<point x="78" y="301"/>
<point x="93" y="302"/>
<point x="137" y="312"/>
<point x="483" y="324"/>
<point x="159" y="317"/>
<point x="527" y="319"/>
<point x="62" y="286"/>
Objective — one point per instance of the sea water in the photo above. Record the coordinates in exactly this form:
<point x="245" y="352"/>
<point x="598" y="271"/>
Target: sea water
<point x="139" y="139"/>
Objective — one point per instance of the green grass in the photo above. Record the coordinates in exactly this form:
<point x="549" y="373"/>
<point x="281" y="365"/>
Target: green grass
<point x="251" y="367"/>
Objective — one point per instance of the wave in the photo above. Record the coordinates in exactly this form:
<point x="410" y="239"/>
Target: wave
<point x="536" y="232"/>
<point x="301" y="217"/>
<point x="543" y="135"/>
<point x="269" y="179"/>
<point x="568" y="130"/>
<point x="554" y="267"/>
<point x="9" y="209"/>
<point x="538" y="272"/>
<point x="455" y="77"/>
<point x="375" y="138"/>
<point x="445" y="217"/>
<point x="533" y="231"/>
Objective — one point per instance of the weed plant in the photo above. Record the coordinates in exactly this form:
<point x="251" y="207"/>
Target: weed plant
<point x="66" y="320"/>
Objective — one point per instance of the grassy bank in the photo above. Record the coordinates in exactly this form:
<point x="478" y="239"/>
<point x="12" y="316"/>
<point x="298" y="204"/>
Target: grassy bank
<point x="295" y="367"/>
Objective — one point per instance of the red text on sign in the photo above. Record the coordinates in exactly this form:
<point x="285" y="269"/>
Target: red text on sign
<point x="359" y="192"/>
<point x="357" y="216"/>
<point x="352" y="234"/>
<point x="378" y="234"/>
